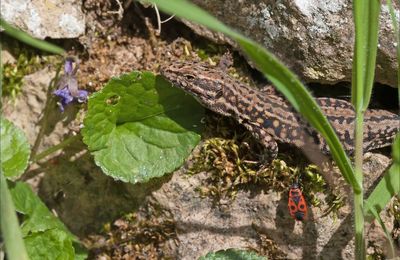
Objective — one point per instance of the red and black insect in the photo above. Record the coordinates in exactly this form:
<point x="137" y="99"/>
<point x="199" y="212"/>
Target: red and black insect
<point x="297" y="204"/>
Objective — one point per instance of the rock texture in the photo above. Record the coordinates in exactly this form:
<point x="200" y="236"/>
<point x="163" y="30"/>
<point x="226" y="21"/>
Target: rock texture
<point x="202" y="227"/>
<point x="41" y="19"/>
<point x="26" y="111"/>
<point x="314" y="38"/>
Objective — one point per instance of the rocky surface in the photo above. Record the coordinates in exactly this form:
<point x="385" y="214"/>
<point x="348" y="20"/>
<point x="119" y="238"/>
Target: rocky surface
<point x="41" y="19"/>
<point x="314" y="38"/>
<point x="202" y="227"/>
<point x="27" y="110"/>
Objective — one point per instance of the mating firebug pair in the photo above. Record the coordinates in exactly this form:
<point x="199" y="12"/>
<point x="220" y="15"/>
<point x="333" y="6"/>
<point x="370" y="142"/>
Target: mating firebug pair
<point x="297" y="204"/>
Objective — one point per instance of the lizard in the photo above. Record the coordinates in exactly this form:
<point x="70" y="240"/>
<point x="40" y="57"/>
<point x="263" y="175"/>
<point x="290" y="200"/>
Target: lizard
<point x="270" y="118"/>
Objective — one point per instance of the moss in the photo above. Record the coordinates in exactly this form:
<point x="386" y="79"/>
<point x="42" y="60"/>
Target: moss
<point x="27" y="62"/>
<point x="394" y="208"/>
<point x="268" y="247"/>
<point x="375" y="251"/>
<point x="313" y="183"/>
<point x="139" y="235"/>
<point x="233" y="160"/>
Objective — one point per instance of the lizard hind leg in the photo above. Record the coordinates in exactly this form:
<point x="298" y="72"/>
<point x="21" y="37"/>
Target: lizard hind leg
<point x="226" y="61"/>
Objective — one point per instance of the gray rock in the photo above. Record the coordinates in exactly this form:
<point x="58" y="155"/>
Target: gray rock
<point x="41" y="19"/>
<point x="7" y="57"/>
<point x="314" y="38"/>
<point x="202" y="227"/>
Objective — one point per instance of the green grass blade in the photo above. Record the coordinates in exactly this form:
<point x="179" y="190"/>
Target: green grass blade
<point x="366" y="20"/>
<point x="279" y="75"/>
<point x="358" y="56"/>
<point x="372" y="47"/>
<point x="387" y="187"/>
<point x="383" y="192"/>
<point x="9" y="224"/>
<point x="26" y="38"/>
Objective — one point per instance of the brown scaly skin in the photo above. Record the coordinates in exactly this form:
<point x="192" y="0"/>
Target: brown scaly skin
<point x="270" y="118"/>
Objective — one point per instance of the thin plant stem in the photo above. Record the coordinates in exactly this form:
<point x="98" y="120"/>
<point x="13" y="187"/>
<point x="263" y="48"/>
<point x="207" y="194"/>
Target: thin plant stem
<point x="55" y="148"/>
<point x="359" y="196"/>
<point x="30" y="174"/>
<point x="49" y="107"/>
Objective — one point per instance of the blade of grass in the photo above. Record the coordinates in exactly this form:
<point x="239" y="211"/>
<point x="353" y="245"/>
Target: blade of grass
<point x="279" y="75"/>
<point x="26" y="38"/>
<point x="388" y="187"/>
<point x="383" y="192"/>
<point x="9" y="224"/>
<point x="366" y="21"/>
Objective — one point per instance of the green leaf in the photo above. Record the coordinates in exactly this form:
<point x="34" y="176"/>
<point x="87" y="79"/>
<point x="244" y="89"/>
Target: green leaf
<point x="26" y="38"/>
<point x="139" y="127"/>
<point x="14" y="150"/>
<point x="46" y="237"/>
<point x="50" y="244"/>
<point x="233" y="254"/>
<point x="284" y="80"/>
<point x="80" y="252"/>
<point x="11" y="233"/>
<point x="387" y="187"/>
<point x="37" y="217"/>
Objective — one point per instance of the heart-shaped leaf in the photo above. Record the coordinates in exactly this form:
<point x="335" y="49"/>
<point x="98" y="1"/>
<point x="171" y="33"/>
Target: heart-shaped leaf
<point x="139" y="127"/>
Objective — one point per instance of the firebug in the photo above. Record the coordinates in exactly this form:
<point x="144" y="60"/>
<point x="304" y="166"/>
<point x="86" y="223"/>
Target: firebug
<point x="297" y="204"/>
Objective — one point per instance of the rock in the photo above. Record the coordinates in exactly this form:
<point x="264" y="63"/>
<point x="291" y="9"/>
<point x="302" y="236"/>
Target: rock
<point x="202" y="227"/>
<point x="83" y="197"/>
<point x="41" y="19"/>
<point x="25" y="112"/>
<point x="314" y="38"/>
<point x="7" y="57"/>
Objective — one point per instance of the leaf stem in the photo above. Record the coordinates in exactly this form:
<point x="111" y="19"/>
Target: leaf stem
<point x="55" y="148"/>
<point x="49" y="107"/>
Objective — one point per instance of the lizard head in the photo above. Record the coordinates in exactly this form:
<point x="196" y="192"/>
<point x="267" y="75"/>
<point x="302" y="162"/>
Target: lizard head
<point x="196" y="78"/>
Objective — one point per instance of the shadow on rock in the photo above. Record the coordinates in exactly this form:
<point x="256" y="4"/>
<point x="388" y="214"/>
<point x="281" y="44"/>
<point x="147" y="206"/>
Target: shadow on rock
<point x="85" y="198"/>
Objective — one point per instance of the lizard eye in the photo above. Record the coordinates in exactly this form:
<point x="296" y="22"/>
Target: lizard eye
<point x="189" y="76"/>
<point x="218" y="94"/>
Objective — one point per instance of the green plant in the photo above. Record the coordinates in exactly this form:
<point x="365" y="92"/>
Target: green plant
<point x="14" y="73"/>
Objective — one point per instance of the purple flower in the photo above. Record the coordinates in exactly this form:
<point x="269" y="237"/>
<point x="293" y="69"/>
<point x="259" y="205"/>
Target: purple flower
<point x="68" y="86"/>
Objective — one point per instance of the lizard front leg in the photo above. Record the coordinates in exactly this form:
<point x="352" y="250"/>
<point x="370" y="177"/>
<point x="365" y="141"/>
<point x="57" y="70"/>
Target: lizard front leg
<point x="269" y="144"/>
